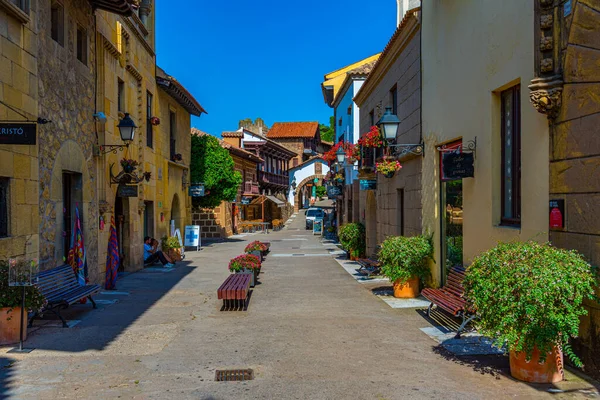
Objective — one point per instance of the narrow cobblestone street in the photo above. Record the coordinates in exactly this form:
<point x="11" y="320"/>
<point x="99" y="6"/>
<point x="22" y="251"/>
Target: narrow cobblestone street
<point x="311" y="332"/>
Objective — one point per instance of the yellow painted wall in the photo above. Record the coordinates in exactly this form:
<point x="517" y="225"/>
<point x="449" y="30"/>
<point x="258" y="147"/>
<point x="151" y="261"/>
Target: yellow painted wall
<point x="470" y="51"/>
<point x="336" y="78"/>
<point x="19" y="163"/>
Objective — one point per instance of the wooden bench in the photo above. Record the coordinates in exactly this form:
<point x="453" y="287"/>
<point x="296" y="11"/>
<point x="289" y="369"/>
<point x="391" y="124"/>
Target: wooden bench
<point x="60" y="288"/>
<point x="235" y="292"/>
<point x="368" y="267"/>
<point x="450" y="298"/>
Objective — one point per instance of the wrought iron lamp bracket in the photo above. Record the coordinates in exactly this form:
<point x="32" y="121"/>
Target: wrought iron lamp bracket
<point x="125" y="177"/>
<point x="400" y="150"/>
<point x="469" y="146"/>
<point x="108" y="148"/>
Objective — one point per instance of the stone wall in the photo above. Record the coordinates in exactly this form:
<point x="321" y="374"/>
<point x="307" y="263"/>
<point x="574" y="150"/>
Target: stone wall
<point x="296" y="145"/>
<point x="19" y="163"/>
<point x="214" y="223"/>
<point x="66" y="97"/>
<point x="575" y="160"/>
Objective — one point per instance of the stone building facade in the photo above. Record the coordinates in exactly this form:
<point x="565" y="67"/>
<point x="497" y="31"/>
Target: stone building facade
<point x="566" y="88"/>
<point x="19" y="177"/>
<point x="303" y="138"/>
<point x="395" y="207"/>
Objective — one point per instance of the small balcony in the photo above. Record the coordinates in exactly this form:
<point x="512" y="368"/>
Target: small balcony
<point x="270" y="178"/>
<point x="251" y="188"/>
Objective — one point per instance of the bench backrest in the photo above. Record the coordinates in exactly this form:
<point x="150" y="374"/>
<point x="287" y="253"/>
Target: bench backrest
<point x="57" y="280"/>
<point x="454" y="281"/>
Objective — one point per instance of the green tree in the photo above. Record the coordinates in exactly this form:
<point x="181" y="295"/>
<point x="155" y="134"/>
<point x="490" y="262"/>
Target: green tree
<point x="321" y="191"/>
<point x="328" y="132"/>
<point x="212" y="165"/>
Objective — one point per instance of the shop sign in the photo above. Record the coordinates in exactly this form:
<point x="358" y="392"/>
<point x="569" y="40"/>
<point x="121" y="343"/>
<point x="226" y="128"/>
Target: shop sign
<point x="196" y="190"/>
<point x="127" y="191"/>
<point x="333" y="191"/>
<point x="18" y="133"/>
<point x="368" y="184"/>
<point x="246" y="200"/>
<point x="457" y="166"/>
<point x="557" y="214"/>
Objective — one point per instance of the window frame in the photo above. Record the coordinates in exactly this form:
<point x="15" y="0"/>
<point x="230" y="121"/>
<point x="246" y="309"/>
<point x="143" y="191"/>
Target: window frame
<point x="57" y="27"/>
<point x="5" y="206"/>
<point x="394" y="99"/>
<point x="515" y="157"/>
<point x="149" y="131"/>
<point x="172" y="133"/>
<point x="81" y="44"/>
<point x="120" y="95"/>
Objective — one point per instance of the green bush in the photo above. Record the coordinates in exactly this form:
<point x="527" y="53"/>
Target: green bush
<point x="353" y="238"/>
<point x="403" y="258"/>
<point x="171" y="242"/>
<point x="530" y="295"/>
<point x="10" y="296"/>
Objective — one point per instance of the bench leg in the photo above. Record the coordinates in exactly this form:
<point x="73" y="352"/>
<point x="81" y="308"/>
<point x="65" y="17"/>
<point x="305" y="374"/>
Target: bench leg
<point x="464" y="324"/>
<point x="93" y="302"/>
<point x="429" y="310"/>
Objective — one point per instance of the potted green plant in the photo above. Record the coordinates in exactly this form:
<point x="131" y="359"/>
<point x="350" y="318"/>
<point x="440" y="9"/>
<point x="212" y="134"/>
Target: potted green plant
<point x="129" y="165"/>
<point x="247" y="264"/>
<point x="10" y="305"/>
<point x="353" y="239"/>
<point x="529" y="297"/>
<point x="171" y="247"/>
<point x="404" y="260"/>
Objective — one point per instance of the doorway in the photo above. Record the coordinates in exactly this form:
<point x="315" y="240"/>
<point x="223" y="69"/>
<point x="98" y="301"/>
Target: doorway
<point x="121" y="206"/>
<point x="451" y="206"/>
<point x="72" y="198"/>
<point x="149" y="219"/>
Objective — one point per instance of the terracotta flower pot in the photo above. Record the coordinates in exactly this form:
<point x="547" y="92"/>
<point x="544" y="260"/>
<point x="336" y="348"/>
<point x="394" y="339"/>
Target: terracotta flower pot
<point x="174" y="254"/>
<point x="9" y="325"/>
<point x="533" y="371"/>
<point x="407" y="290"/>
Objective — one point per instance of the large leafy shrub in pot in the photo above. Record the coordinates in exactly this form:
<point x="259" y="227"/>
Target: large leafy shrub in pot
<point x="530" y="296"/>
<point x="403" y="258"/>
<point x="352" y="236"/>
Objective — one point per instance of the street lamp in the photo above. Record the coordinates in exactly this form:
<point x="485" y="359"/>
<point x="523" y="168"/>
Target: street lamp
<point x="126" y="130"/>
<point x="341" y="155"/>
<point x="294" y="183"/>
<point x="389" y="123"/>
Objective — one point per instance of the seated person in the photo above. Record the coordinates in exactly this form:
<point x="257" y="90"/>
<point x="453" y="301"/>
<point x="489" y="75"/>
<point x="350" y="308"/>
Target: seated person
<point x="151" y="254"/>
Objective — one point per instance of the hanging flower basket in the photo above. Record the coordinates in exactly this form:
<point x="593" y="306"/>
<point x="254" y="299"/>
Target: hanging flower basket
<point x="129" y="165"/>
<point x="388" y="167"/>
<point x="155" y="121"/>
<point x="371" y="139"/>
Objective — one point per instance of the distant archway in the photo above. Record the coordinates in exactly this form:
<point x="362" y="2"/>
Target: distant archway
<point x="298" y="196"/>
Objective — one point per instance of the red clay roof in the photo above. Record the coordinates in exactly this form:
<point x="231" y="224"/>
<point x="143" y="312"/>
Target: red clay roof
<point x="235" y="134"/>
<point x="293" y="130"/>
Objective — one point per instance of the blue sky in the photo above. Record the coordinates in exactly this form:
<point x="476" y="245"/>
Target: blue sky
<point x="265" y="58"/>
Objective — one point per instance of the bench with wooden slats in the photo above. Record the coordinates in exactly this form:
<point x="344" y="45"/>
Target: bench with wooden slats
<point x="450" y="298"/>
<point x="60" y="288"/>
<point x="368" y="267"/>
<point x="234" y="292"/>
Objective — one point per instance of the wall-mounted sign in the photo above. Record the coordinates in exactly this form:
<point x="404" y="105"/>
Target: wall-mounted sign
<point x="18" y="133"/>
<point x="196" y="190"/>
<point x="246" y="200"/>
<point x="333" y="191"/>
<point x="457" y="166"/>
<point x="127" y="191"/>
<point x="368" y="184"/>
<point x="557" y="214"/>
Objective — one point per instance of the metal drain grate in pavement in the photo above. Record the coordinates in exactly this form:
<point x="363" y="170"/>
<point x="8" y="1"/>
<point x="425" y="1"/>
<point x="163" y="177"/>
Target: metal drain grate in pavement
<point x="224" y="375"/>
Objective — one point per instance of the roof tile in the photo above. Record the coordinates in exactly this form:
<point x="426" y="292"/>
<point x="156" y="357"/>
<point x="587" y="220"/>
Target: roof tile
<point x="293" y="130"/>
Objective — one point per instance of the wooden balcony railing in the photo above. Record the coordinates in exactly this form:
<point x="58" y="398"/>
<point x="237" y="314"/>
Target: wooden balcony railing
<point x="276" y="179"/>
<point x="251" y="188"/>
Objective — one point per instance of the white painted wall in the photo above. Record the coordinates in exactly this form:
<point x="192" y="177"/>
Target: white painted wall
<point x="303" y="172"/>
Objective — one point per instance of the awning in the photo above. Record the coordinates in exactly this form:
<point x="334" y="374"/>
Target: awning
<point x="275" y="200"/>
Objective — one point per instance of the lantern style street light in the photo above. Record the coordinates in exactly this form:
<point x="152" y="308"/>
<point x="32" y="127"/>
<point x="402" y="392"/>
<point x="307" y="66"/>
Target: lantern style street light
<point x="126" y="130"/>
<point x="388" y="124"/>
<point x="341" y="155"/>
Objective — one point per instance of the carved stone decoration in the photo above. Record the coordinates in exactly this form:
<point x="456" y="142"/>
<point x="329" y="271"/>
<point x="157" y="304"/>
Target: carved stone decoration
<point x="547" y="65"/>
<point x="546" y="21"/>
<point x="546" y="43"/>
<point x="546" y="95"/>
<point x="104" y="207"/>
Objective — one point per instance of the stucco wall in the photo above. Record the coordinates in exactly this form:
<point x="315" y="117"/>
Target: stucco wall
<point x="461" y="100"/>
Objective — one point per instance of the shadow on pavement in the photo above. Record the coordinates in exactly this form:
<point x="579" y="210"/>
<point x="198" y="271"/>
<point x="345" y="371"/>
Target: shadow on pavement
<point x="95" y="329"/>
<point x="6" y="373"/>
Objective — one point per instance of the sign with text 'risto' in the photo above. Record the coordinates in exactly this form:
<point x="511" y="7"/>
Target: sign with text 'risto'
<point x="457" y="166"/>
<point x="196" y="190"/>
<point x="18" y="132"/>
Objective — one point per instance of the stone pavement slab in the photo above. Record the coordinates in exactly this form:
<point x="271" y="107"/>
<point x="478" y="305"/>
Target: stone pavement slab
<point x="311" y="332"/>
